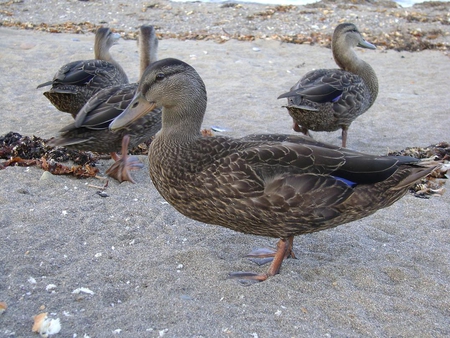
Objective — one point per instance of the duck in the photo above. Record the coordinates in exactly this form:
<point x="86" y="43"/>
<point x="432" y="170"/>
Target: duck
<point x="272" y="185"/>
<point x="331" y="99"/>
<point x="90" y="130"/>
<point x="75" y="83"/>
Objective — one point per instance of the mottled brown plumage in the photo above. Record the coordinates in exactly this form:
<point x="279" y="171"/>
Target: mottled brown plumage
<point x="76" y="82"/>
<point x="90" y="131"/>
<point x="269" y="185"/>
<point x="330" y="99"/>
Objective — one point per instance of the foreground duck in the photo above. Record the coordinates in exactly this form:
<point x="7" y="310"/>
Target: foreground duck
<point x="90" y="131"/>
<point x="269" y="185"/>
<point x="330" y="99"/>
<point x="75" y="83"/>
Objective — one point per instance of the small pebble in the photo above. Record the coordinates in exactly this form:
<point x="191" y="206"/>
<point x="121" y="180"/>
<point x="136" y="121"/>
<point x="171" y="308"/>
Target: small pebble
<point x="102" y="193"/>
<point x="47" y="176"/>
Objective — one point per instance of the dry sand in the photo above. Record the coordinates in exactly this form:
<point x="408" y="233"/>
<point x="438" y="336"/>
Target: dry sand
<point x="154" y="272"/>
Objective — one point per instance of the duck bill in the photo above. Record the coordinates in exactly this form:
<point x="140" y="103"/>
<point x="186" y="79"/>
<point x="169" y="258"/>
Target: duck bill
<point x="137" y="108"/>
<point x="365" y="44"/>
<point x="116" y="38"/>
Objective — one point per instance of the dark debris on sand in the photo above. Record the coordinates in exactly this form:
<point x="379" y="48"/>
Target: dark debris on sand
<point x="439" y="151"/>
<point x="27" y="151"/>
<point x="434" y="183"/>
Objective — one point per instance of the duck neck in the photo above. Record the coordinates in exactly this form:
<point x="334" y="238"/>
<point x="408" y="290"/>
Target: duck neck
<point x="182" y="125"/>
<point x="147" y="55"/>
<point x="102" y="53"/>
<point x="347" y="60"/>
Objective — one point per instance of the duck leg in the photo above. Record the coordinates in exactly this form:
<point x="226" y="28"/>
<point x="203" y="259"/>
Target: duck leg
<point x="296" y="127"/>
<point x="299" y="129"/>
<point x="120" y="170"/>
<point x="284" y="250"/>
<point x="263" y="256"/>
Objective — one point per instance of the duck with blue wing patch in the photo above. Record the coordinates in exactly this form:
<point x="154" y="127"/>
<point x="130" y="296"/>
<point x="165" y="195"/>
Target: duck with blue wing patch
<point x="270" y="185"/>
<point x="331" y="99"/>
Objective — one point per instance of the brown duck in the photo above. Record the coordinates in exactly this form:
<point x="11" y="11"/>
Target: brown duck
<point x="330" y="99"/>
<point x="270" y="185"/>
<point x="90" y="130"/>
<point x="76" y="82"/>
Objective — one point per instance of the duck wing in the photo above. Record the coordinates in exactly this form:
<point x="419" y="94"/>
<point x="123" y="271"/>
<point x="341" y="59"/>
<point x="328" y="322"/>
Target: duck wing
<point x="103" y="107"/>
<point x="96" y="73"/>
<point x="343" y="89"/>
<point x="354" y="166"/>
<point x="310" y="181"/>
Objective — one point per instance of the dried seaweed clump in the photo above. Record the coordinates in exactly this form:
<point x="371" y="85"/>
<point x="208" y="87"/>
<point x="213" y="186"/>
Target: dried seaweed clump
<point x="434" y="183"/>
<point x="21" y="150"/>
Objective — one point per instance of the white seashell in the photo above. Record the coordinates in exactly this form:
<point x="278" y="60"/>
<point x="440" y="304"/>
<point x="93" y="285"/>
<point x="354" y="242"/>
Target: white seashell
<point x="46" y="326"/>
<point x="50" y="287"/>
<point x="3" y="307"/>
<point x="84" y="290"/>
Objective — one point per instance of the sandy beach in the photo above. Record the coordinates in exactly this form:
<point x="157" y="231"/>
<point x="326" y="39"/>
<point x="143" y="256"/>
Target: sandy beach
<point x="151" y="272"/>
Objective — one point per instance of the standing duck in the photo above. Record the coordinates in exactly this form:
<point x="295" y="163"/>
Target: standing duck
<point x="269" y="185"/>
<point x="90" y="130"/>
<point x="75" y="83"/>
<point x="330" y="99"/>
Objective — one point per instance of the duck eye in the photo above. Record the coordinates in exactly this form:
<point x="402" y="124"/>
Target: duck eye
<point x="160" y="76"/>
